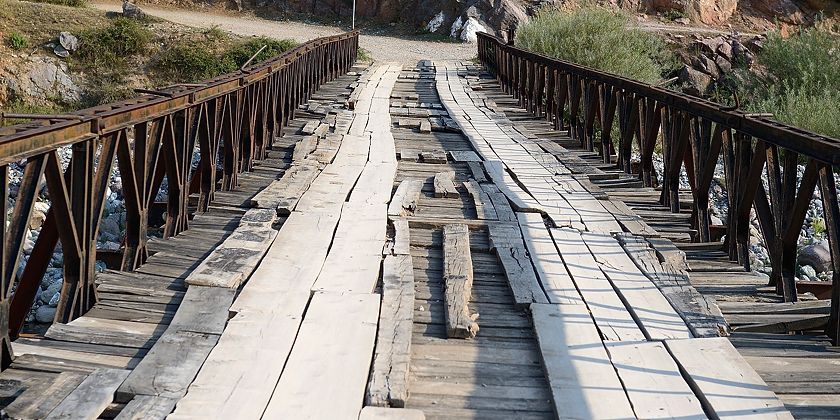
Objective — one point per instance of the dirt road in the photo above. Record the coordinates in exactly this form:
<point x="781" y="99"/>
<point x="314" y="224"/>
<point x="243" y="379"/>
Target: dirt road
<point x="383" y="48"/>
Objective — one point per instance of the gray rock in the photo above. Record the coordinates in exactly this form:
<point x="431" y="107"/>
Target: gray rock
<point x="817" y="255"/>
<point x="132" y="11"/>
<point x="696" y="82"/>
<point x="808" y="271"/>
<point x="54" y="299"/>
<point x="61" y="51"/>
<point x="725" y="49"/>
<point x="51" y="291"/>
<point x="709" y="67"/>
<point x="110" y="226"/>
<point x="45" y="314"/>
<point x="68" y="41"/>
<point x="723" y="64"/>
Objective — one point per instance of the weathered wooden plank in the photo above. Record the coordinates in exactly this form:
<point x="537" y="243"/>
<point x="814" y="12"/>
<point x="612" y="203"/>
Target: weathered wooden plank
<point x="506" y="241"/>
<point x="551" y="270"/>
<point x="724" y="381"/>
<point x="444" y="185"/>
<point x="237" y="257"/>
<point x="147" y="407"/>
<point x="433" y="156"/>
<point x="464" y="156"/>
<point x="304" y="148"/>
<point x="382" y="413"/>
<point x="583" y="381"/>
<point x="404" y="201"/>
<point x="172" y="363"/>
<point x="458" y="277"/>
<point x="609" y="312"/>
<point x="653" y="382"/>
<point x="38" y="402"/>
<point x="388" y="385"/>
<point x="477" y="171"/>
<point x="500" y="203"/>
<point x="88" y="331"/>
<point x="355" y="256"/>
<point x="701" y="314"/>
<point x="483" y="206"/>
<point x="331" y="356"/>
<point x="91" y="397"/>
<point x="22" y="348"/>
<point x="654" y="314"/>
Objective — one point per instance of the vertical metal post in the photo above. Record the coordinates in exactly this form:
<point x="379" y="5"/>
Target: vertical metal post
<point x="354" y="15"/>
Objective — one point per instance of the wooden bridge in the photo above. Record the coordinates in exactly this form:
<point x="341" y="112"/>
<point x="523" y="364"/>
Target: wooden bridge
<point x="315" y="238"/>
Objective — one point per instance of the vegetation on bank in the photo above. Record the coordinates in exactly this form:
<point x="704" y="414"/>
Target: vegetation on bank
<point x="118" y="54"/>
<point x="191" y="60"/>
<point x="597" y="38"/>
<point x="800" y="84"/>
<point x="796" y="77"/>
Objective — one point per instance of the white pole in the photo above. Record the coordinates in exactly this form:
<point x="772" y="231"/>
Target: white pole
<point x="354" y="14"/>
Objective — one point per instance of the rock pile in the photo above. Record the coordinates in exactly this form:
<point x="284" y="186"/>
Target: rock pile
<point x="709" y="61"/>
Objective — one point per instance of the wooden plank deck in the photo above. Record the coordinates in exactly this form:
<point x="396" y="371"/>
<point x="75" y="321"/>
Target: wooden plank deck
<point x="381" y="237"/>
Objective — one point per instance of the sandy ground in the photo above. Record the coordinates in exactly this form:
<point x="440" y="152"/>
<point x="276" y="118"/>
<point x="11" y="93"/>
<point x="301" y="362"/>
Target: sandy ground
<point x="382" y="48"/>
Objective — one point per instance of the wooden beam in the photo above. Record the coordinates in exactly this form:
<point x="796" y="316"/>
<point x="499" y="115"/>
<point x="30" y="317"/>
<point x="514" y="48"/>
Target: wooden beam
<point x="458" y="277"/>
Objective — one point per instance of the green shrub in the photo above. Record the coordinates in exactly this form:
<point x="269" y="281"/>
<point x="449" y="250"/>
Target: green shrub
<point x="237" y="55"/>
<point x="188" y="62"/>
<point x="808" y="60"/>
<point x="17" y="41"/>
<point x="801" y="84"/>
<point x="192" y="61"/>
<point x="111" y="44"/>
<point x="73" y="3"/>
<point x="818" y="112"/>
<point x="364" y="55"/>
<point x="597" y="38"/>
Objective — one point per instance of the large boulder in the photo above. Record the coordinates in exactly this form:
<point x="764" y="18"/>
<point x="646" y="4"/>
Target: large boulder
<point x="695" y="82"/>
<point x="39" y="80"/>
<point x="816" y="255"/>
<point x="132" y="11"/>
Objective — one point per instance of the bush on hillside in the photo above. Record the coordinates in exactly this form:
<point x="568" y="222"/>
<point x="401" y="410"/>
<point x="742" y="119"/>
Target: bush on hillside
<point x="600" y="39"/>
<point x="801" y="86"/>
<point x="17" y="41"/>
<point x="192" y="61"/>
<point x="112" y="44"/>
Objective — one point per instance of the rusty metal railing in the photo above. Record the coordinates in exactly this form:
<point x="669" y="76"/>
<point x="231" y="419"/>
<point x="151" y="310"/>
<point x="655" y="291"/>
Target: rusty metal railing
<point x="694" y="134"/>
<point x="228" y="121"/>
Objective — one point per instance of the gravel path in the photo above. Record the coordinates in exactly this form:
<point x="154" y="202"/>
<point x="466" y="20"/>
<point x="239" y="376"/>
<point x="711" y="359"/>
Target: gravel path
<point x="382" y="48"/>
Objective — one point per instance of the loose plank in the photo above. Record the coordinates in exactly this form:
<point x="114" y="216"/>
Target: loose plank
<point x="172" y="363"/>
<point x="444" y="185"/>
<point x="404" y="201"/>
<point x="146" y="407"/>
<point x="458" y="277"/>
<point x="609" y="312"/>
<point x="506" y="241"/>
<point x="554" y="277"/>
<point x="388" y="385"/>
<point x="331" y="356"/>
<point x="724" y="381"/>
<point x="653" y="381"/>
<point x="655" y="315"/>
<point x="483" y="206"/>
<point x="38" y="402"/>
<point x="92" y="396"/>
<point x="583" y="381"/>
<point x="237" y="257"/>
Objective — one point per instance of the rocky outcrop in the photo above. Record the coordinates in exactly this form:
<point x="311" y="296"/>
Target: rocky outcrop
<point x="41" y="80"/>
